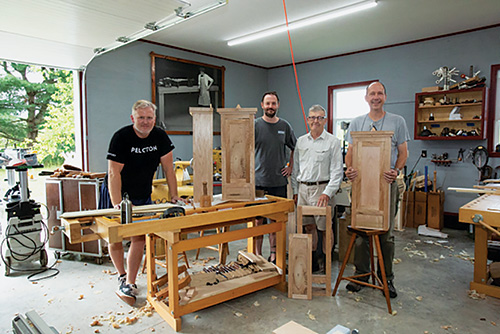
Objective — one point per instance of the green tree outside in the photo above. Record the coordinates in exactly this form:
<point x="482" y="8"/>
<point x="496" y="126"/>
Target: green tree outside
<point x="36" y="110"/>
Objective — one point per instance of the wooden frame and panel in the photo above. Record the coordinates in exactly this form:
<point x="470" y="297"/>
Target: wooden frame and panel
<point x="170" y="229"/>
<point x="202" y="151"/>
<point x="326" y="279"/>
<point x="488" y="207"/>
<point x="370" y="192"/>
<point x="238" y="153"/>
<point x="300" y="266"/>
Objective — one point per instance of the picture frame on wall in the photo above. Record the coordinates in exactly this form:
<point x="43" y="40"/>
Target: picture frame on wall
<point x="178" y="84"/>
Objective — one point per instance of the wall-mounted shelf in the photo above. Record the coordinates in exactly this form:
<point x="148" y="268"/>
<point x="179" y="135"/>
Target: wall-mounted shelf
<point x="440" y="104"/>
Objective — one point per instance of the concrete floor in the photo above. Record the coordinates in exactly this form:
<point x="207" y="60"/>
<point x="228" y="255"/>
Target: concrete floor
<point x="432" y="282"/>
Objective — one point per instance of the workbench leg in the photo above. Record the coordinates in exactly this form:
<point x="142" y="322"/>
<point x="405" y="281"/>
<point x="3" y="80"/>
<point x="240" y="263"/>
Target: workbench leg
<point x="162" y="309"/>
<point x="480" y="255"/>
<point x="281" y="254"/>
<point x="173" y="275"/>
<point x="150" y="262"/>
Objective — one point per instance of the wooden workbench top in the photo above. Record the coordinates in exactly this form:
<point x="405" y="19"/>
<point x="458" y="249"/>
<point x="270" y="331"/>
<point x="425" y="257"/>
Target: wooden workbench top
<point x="487" y="205"/>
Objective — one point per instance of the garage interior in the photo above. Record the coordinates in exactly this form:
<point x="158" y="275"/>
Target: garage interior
<point x="125" y="51"/>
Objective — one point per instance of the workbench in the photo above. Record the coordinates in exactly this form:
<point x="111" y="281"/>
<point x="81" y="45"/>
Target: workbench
<point x="484" y="209"/>
<point x="223" y="215"/>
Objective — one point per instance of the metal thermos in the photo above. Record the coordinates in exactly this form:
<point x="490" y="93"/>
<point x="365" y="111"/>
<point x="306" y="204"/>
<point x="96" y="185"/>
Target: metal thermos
<point x="126" y="210"/>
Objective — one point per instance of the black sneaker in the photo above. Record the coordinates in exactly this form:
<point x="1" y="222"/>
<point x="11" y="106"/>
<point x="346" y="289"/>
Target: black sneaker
<point x="392" y="290"/>
<point x="353" y="287"/>
<point x="127" y="293"/>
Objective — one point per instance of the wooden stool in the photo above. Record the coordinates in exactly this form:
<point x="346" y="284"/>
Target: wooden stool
<point x="373" y="235"/>
<point x="304" y="210"/>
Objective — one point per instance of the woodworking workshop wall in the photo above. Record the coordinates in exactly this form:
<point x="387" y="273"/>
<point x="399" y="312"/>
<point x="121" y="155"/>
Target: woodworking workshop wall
<point x="404" y="70"/>
<point x="114" y="81"/>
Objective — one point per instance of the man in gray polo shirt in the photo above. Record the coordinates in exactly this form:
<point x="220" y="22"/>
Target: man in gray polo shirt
<point x="379" y="120"/>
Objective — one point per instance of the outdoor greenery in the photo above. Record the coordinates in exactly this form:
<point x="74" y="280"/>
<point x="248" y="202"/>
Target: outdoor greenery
<point x="36" y="110"/>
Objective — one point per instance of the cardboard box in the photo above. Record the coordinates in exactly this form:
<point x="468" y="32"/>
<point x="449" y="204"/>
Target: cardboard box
<point x="420" y="217"/>
<point x="407" y="209"/>
<point x="345" y="237"/>
<point x="435" y="210"/>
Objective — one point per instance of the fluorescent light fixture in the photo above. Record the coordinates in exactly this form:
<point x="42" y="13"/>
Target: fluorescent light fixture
<point x="349" y="9"/>
<point x="150" y="28"/>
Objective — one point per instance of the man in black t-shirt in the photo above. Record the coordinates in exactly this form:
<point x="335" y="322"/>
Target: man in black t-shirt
<point x="133" y="157"/>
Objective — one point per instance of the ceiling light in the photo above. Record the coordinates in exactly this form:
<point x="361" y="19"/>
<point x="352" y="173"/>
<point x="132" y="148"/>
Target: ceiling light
<point x="151" y="27"/>
<point x="349" y="9"/>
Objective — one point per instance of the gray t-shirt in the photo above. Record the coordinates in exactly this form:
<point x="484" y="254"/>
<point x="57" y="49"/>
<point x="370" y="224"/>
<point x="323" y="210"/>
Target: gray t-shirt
<point x="271" y="140"/>
<point x="390" y="122"/>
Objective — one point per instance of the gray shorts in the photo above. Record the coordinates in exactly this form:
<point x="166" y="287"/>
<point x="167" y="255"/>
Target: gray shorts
<point x="309" y="195"/>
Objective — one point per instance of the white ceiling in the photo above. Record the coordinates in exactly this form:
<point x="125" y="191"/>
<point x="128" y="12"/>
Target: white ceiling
<point x="64" y="33"/>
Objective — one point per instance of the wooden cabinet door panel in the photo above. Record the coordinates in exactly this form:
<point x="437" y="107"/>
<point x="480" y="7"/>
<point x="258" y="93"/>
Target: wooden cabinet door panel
<point x="370" y="192"/>
<point x="238" y="153"/>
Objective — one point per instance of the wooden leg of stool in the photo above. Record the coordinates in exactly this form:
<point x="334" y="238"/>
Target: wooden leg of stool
<point x="372" y="261"/>
<point x="346" y="258"/>
<point x="299" y="219"/>
<point x="185" y="259"/>
<point x="198" y="251"/>
<point x="382" y="272"/>
<point x="328" y="250"/>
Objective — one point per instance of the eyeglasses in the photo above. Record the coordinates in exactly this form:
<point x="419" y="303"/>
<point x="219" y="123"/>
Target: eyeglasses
<point x="316" y="118"/>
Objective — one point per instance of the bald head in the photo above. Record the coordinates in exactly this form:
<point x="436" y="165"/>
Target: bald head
<point x="376" y="83"/>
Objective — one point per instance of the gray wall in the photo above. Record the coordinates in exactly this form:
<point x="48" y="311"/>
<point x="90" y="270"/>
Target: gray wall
<point x="116" y="80"/>
<point x="404" y="70"/>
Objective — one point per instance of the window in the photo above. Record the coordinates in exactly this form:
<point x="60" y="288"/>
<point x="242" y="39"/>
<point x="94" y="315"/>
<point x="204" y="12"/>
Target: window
<point x="345" y="102"/>
<point x="494" y="112"/>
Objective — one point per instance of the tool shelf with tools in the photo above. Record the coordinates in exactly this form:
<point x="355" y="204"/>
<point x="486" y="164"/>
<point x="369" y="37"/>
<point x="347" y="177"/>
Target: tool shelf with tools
<point x="450" y="115"/>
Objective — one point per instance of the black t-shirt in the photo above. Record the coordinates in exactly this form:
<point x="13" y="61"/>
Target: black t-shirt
<point x="140" y="157"/>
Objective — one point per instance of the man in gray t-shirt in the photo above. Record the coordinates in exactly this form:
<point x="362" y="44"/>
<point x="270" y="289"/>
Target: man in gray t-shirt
<point x="379" y="120"/>
<point x="272" y="165"/>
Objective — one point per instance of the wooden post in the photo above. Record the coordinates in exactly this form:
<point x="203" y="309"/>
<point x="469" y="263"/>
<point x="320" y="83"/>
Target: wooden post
<point x="203" y="168"/>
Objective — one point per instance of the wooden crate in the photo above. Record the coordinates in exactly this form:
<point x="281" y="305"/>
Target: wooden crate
<point x="420" y="217"/>
<point x="435" y="210"/>
<point x="407" y="208"/>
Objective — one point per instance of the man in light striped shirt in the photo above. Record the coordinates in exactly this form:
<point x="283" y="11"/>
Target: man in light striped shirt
<point x="317" y="173"/>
